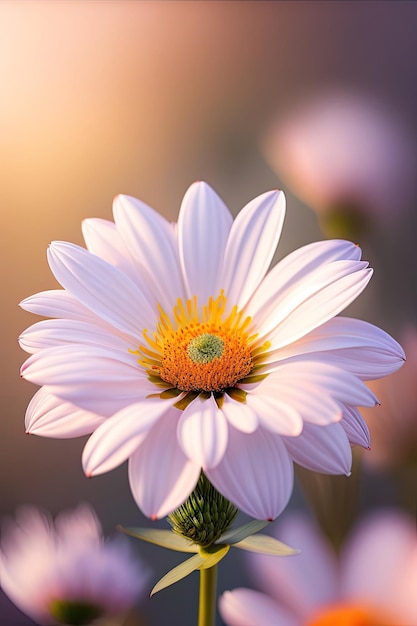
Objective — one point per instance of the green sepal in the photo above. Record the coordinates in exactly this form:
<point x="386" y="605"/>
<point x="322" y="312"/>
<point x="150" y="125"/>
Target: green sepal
<point x="159" y="382"/>
<point x="239" y="534"/>
<point x="179" y="572"/>
<point x="162" y="538"/>
<point x="257" y="378"/>
<point x="186" y="400"/>
<point x="205" y="559"/>
<point x="213" y="555"/>
<point x="264" y="544"/>
<point x="236" y="393"/>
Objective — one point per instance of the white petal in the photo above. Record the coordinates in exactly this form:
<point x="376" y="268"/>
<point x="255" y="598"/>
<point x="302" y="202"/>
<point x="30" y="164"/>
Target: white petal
<point x="323" y="449"/>
<point x="301" y="307"/>
<point x="160" y="475"/>
<point x="247" y="607"/>
<point x="203" y="227"/>
<point x="56" y="332"/>
<point x="150" y="240"/>
<point x="251" y="246"/>
<point x="273" y="413"/>
<point x="355" y="427"/>
<point x="97" y="379"/>
<point x="102" y="288"/>
<point x="351" y="344"/>
<point x="256" y="473"/>
<point x="240" y="415"/>
<point x="82" y="365"/>
<point x="321" y="396"/>
<point x="48" y="416"/>
<point x="57" y="303"/>
<point x="103" y="239"/>
<point x="297" y="267"/>
<point x="202" y="432"/>
<point x="120" y="435"/>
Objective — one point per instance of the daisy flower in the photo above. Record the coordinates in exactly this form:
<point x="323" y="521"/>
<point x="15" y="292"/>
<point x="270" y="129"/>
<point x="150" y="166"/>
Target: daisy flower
<point x="372" y="583"/>
<point x="176" y="349"/>
<point x="64" y="572"/>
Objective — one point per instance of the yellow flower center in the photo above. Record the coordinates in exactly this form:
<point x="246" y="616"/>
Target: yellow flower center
<point x="205" y="351"/>
<point x="350" y="615"/>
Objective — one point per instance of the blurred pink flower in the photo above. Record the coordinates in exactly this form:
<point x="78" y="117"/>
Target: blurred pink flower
<point x="393" y="425"/>
<point x="344" y="151"/>
<point x="373" y="583"/>
<point x="53" y="570"/>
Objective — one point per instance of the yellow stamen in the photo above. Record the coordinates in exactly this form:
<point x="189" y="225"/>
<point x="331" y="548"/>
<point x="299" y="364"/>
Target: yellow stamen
<point x="200" y="352"/>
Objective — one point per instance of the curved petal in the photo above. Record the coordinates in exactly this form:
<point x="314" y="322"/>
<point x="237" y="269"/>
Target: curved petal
<point x="297" y="267"/>
<point x="322" y="449"/>
<point x="299" y="308"/>
<point x="240" y="415"/>
<point x="120" y="435"/>
<point x="150" y="241"/>
<point x="247" y="607"/>
<point x="59" y="332"/>
<point x="251" y="245"/>
<point x="355" y="427"/>
<point x="320" y="398"/>
<point x="97" y="379"/>
<point x="273" y="413"/>
<point x="102" y="288"/>
<point x="202" y="432"/>
<point x="103" y="239"/>
<point x="58" y="303"/>
<point x="256" y="473"/>
<point x="48" y="416"/>
<point x="160" y="475"/>
<point x="351" y="344"/>
<point x="203" y="228"/>
<point x="81" y="365"/>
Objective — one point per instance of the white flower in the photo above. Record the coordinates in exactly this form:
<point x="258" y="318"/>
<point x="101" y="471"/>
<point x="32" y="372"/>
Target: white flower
<point x="180" y="352"/>
<point x="344" y="151"/>
<point x="372" y="584"/>
<point x="53" y="571"/>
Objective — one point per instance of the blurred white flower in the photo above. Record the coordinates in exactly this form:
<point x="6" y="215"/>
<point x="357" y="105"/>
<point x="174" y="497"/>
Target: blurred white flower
<point x="393" y="425"/>
<point x="344" y="152"/>
<point x="65" y="572"/>
<point x="177" y="348"/>
<point x="373" y="583"/>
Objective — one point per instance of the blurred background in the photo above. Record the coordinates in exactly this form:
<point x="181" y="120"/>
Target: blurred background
<point x="143" y="98"/>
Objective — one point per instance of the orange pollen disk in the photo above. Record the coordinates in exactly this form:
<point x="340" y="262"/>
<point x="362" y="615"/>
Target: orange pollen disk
<point x="228" y="359"/>
<point x="349" y="615"/>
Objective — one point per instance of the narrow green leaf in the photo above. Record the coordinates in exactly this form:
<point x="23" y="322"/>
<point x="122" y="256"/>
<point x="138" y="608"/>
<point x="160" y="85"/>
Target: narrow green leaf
<point x="163" y="538"/>
<point x="178" y="573"/>
<point x="264" y="544"/>
<point x="238" y="534"/>
<point x="213" y="555"/>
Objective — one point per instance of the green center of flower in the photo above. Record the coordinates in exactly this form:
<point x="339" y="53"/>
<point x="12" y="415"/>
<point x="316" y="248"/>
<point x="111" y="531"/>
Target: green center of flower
<point x="204" y="348"/>
<point x="74" y="613"/>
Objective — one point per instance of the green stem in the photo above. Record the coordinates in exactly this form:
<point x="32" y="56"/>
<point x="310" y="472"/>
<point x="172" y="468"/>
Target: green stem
<point x="208" y="596"/>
